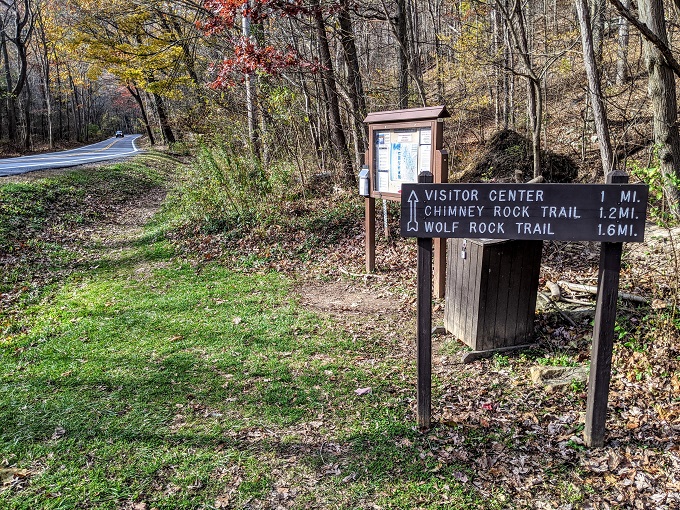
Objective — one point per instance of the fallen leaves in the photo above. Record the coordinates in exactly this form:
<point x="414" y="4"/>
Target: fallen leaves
<point x="222" y="501"/>
<point x="658" y="304"/>
<point x="675" y="384"/>
<point x="58" y="433"/>
<point x="13" y="477"/>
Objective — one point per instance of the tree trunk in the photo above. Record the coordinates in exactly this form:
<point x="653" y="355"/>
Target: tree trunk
<point x="313" y="129"/>
<point x="60" y="100"/>
<point x="598" y="19"/>
<point x="75" y="108"/>
<point x="535" y="115"/>
<point x="434" y="9"/>
<point x="168" y="135"/>
<point x="10" y="99"/>
<point x="26" y="142"/>
<point x="497" y="68"/>
<point x="599" y="111"/>
<point x="664" y="103"/>
<point x="356" y="86"/>
<point x="250" y="80"/>
<point x="402" y="56"/>
<point x="330" y="87"/>
<point x="508" y="82"/>
<point x="48" y="108"/>
<point x="535" y="99"/>
<point x="87" y="111"/>
<point x="166" y="130"/>
<point x="263" y="84"/>
<point x="145" y="118"/>
<point x="622" y="50"/>
<point x="413" y="50"/>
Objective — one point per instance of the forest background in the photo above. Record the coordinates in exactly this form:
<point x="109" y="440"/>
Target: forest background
<point x="288" y="84"/>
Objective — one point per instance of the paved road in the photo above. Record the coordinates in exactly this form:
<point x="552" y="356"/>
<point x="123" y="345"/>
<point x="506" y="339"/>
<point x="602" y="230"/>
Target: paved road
<point x="113" y="148"/>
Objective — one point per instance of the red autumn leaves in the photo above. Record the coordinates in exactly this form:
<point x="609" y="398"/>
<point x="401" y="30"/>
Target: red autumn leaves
<point x="248" y="55"/>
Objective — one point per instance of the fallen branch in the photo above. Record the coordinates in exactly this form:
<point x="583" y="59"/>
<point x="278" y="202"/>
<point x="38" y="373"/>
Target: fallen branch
<point x="469" y="357"/>
<point x="592" y="289"/>
<point x="555" y="293"/>
<point x="557" y="308"/>
<point x="361" y="275"/>
<point x="577" y="302"/>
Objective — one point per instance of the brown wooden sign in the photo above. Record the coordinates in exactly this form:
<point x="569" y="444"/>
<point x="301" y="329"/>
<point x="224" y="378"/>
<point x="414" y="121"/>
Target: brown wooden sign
<point x="611" y="214"/>
<point x="568" y="212"/>
<point x="403" y="145"/>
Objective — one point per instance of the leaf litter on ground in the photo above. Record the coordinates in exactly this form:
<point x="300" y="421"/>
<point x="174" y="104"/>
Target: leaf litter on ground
<point x="514" y="437"/>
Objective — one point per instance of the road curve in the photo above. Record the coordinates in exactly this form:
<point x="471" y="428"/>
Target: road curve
<point x="112" y="148"/>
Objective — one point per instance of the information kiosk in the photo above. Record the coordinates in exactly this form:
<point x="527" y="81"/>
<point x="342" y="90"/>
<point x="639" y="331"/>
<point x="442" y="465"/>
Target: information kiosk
<point x="404" y="144"/>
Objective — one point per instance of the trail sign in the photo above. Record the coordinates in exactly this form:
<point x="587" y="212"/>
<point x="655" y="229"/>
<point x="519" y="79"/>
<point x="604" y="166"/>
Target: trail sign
<point x="610" y="213"/>
<point x="567" y="212"/>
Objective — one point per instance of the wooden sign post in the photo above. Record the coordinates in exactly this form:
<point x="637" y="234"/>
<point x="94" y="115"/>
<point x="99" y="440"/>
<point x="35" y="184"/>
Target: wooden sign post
<point x="611" y="214"/>
<point x="424" y="308"/>
<point x="603" y="334"/>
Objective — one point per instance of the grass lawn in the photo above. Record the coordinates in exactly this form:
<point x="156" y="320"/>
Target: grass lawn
<point x="142" y="381"/>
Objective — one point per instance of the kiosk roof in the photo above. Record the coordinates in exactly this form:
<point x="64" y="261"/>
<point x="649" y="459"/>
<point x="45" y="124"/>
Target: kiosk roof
<point x="429" y="112"/>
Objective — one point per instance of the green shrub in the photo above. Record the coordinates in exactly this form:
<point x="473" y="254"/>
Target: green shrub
<point x="652" y="176"/>
<point x="224" y="189"/>
<point x="180" y="149"/>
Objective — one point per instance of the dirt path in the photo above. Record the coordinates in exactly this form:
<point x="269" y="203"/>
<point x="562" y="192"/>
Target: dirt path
<point x="109" y="226"/>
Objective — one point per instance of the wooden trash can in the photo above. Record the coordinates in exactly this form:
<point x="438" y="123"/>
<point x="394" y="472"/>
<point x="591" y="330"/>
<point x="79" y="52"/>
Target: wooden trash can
<point x="491" y="291"/>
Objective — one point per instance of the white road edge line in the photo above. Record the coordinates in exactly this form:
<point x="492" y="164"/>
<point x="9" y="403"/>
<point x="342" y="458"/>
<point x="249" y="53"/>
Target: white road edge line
<point x="76" y="161"/>
<point x="7" y="161"/>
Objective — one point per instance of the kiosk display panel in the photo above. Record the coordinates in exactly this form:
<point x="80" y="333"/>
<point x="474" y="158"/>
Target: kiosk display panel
<point x="399" y="156"/>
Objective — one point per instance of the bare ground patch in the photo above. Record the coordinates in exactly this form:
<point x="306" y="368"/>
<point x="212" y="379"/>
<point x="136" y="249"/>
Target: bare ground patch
<point x="128" y="221"/>
<point x="339" y="298"/>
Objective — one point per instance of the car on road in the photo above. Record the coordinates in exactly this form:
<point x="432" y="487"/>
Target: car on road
<point x="119" y="134"/>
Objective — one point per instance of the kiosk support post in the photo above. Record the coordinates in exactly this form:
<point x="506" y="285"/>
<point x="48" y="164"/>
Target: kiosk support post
<point x="441" y="175"/>
<point x="370" y="233"/>
<point x="603" y="334"/>
<point x="424" y="324"/>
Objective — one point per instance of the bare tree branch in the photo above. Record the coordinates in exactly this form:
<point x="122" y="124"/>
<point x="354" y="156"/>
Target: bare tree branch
<point x="649" y="35"/>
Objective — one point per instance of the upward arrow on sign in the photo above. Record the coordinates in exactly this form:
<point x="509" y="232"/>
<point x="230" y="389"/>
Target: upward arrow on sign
<point x="412" y="222"/>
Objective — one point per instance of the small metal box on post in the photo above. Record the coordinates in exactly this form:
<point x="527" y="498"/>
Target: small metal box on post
<point x="364" y="182"/>
<point x="402" y="145"/>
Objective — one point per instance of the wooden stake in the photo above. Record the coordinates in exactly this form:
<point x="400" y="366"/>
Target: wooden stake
<point x="603" y="335"/>
<point x="424" y="324"/>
